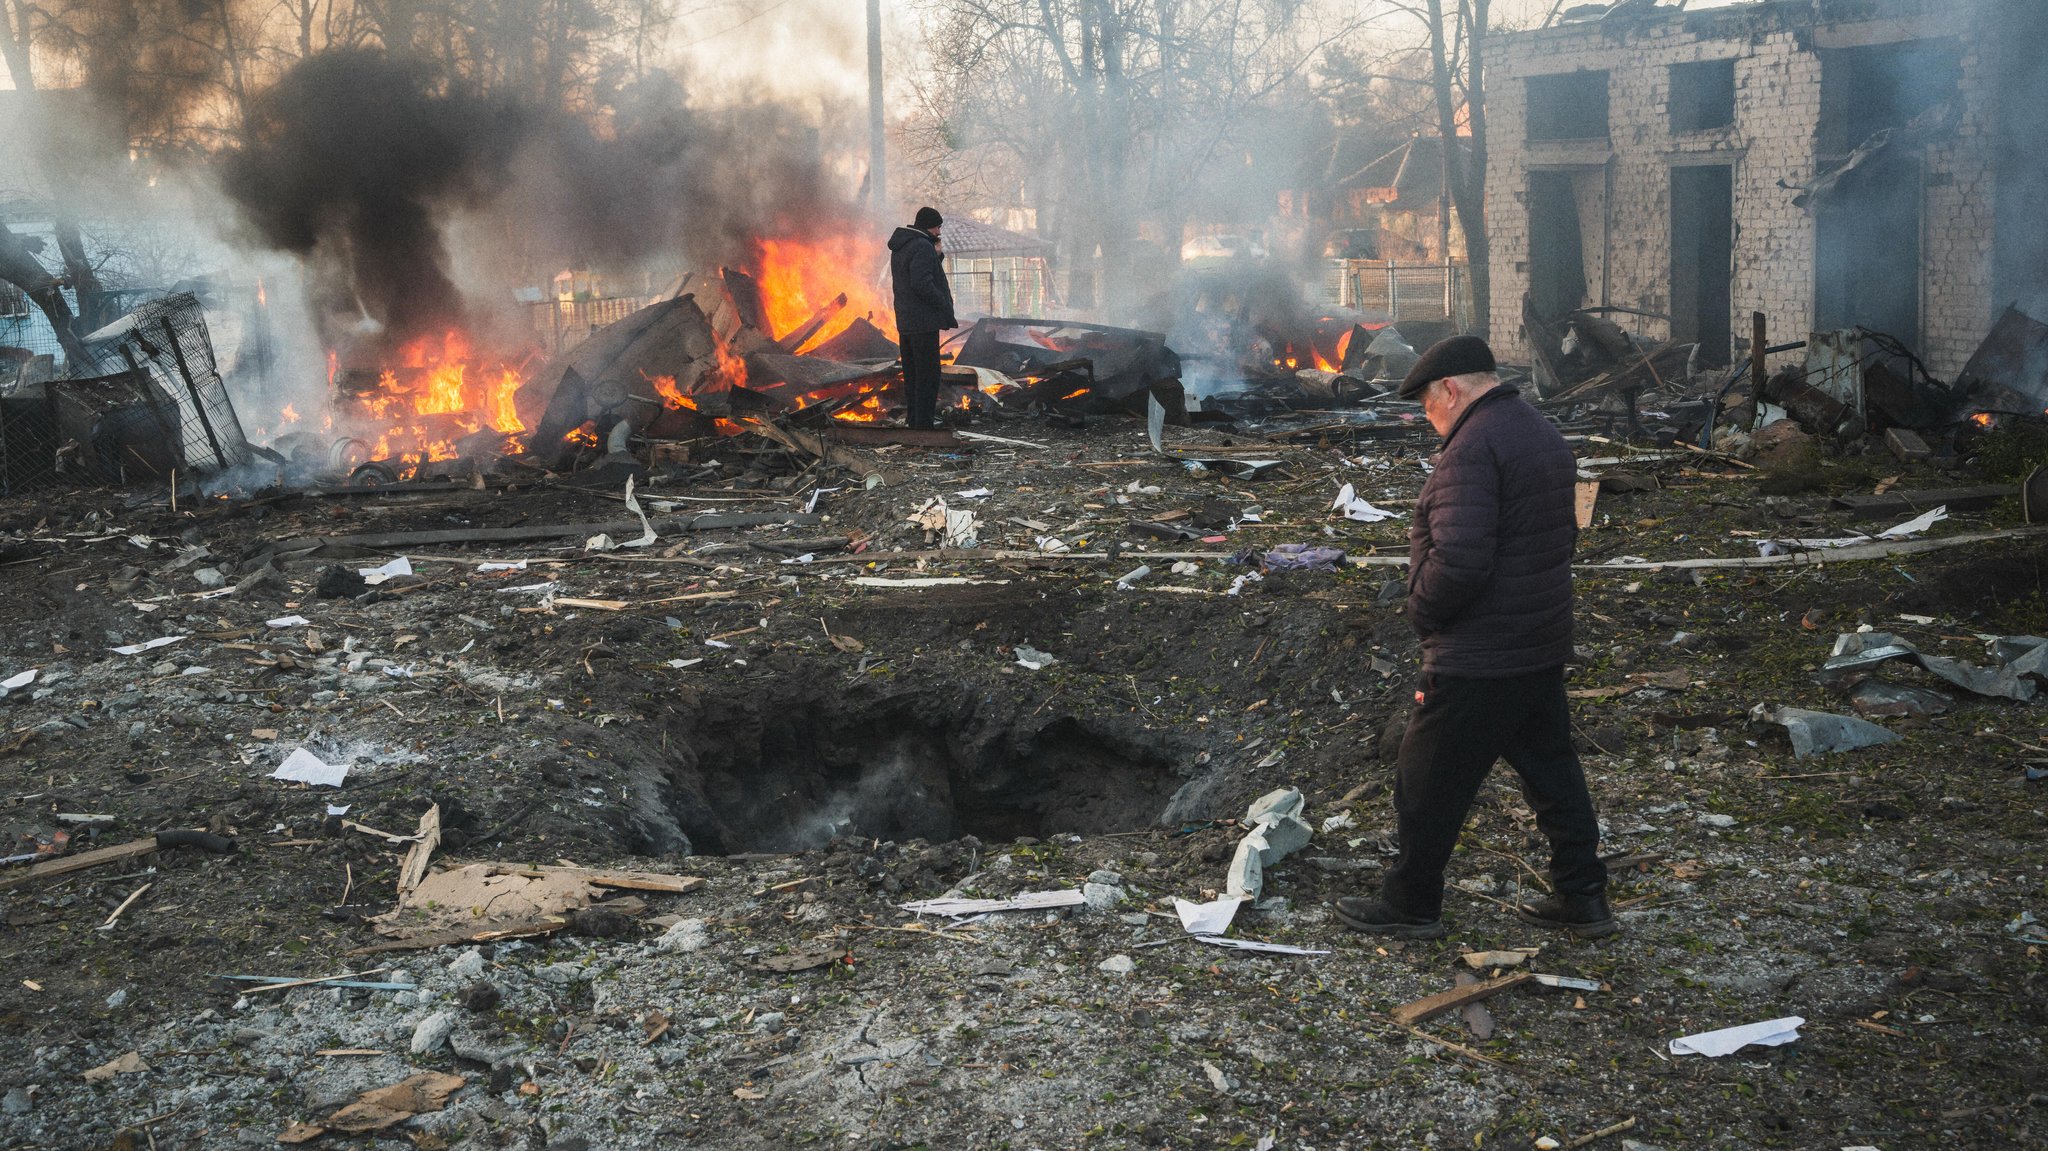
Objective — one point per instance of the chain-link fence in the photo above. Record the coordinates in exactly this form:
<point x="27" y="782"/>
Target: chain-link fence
<point x="150" y="402"/>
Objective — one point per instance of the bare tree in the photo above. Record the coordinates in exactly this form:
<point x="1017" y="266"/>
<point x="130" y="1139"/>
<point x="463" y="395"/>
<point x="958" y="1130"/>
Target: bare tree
<point x="1107" y="116"/>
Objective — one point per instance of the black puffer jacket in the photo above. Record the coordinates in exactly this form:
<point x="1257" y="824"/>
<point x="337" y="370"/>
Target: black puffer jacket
<point x="1490" y="551"/>
<point x="924" y="300"/>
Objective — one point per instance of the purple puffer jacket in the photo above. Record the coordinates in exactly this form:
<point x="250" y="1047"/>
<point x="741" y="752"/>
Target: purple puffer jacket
<point x="1490" y="551"/>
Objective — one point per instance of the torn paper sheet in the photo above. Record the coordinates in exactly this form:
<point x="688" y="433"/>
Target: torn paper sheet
<point x="152" y="645"/>
<point x="288" y="621"/>
<point x="1916" y="525"/>
<point x="680" y="664"/>
<point x="402" y="566"/>
<point x="302" y="766"/>
<point x="1713" y="1044"/>
<point x="1028" y="901"/>
<point x="1212" y="918"/>
<point x="19" y="680"/>
<point x="1355" y="508"/>
<point x="647" y="536"/>
<point x="488" y="567"/>
<point x="1570" y="982"/>
<point x="1255" y="945"/>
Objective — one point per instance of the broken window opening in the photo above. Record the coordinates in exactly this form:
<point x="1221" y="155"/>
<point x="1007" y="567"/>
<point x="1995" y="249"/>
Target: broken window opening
<point x="1702" y="95"/>
<point x="1571" y="106"/>
<point x="1869" y="89"/>
<point x="1703" y="258"/>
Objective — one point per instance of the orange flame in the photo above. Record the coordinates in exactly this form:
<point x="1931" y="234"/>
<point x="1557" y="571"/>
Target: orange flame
<point x="289" y="415"/>
<point x="1982" y="419"/>
<point x="866" y="412"/>
<point x="798" y="277"/>
<point x="442" y="378"/>
<point x="1344" y="343"/>
<point x="584" y="436"/>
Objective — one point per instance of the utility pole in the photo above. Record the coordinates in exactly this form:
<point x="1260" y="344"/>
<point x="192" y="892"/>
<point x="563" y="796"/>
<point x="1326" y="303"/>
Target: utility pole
<point x="878" y="160"/>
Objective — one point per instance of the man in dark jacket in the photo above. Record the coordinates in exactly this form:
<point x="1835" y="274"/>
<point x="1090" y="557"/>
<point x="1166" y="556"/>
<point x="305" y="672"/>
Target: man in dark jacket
<point x="1490" y="593"/>
<point x="924" y="308"/>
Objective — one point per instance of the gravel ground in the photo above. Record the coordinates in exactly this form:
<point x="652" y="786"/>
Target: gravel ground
<point x="842" y="748"/>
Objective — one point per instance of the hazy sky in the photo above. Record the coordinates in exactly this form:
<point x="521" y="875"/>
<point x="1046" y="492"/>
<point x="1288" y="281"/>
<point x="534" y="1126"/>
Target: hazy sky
<point x="798" y="48"/>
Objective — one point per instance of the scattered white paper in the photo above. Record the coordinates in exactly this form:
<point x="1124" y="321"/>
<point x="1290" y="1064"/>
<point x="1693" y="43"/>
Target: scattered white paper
<point x="1341" y="821"/>
<point x="514" y="566"/>
<point x="600" y="543"/>
<point x="1237" y="585"/>
<point x="679" y="664"/>
<point x="1028" y="901"/>
<point x="302" y="766"/>
<point x="288" y="621"/>
<point x="544" y="585"/>
<point x="1713" y="1044"/>
<point x="152" y="645"/>
<point x="811" y="504"/>
<point x="1255" y="945"/>
<point x="975" y="494"/>
<point x="21" y="679"/>
<point x="1355" y="508"/>
<point x="215" y="593"/>
<point x="717" y="643"/>
<point x="402" y="566"/>
<point x="399" y="672"/>
<point x="339" y="808"/>
<point x="1212" y="918"/>
<point x="1916" y="525"/>
<point x="1033" y="658"/>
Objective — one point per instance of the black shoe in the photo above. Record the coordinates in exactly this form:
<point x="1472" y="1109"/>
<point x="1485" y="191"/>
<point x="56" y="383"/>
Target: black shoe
<point x="1585" y="916"/>
<point x="1378" y="917"/>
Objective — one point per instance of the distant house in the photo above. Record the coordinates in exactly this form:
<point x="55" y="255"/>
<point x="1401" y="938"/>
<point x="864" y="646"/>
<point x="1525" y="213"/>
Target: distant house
<point x="1393" y="208"/>
<point x="995" y="271"/>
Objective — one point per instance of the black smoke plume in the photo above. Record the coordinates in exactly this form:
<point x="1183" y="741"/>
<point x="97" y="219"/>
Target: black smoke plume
<point x="354" y="158"/>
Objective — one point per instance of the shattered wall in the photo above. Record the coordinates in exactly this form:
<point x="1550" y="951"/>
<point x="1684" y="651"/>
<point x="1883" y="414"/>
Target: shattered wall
<point x="1774" y="148"/>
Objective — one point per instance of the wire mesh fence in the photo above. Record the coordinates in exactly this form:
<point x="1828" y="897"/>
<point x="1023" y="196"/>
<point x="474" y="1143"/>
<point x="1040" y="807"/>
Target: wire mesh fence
<point x="148" y="403"/>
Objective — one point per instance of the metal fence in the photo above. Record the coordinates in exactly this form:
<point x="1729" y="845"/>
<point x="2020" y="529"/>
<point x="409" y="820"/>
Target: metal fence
<point x="1400" y="291"/>
<point x="1000" y="286"/>
<point x="559" y="325"/>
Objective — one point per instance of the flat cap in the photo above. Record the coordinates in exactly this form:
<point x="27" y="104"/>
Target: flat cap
<point x="1456" y="356"/>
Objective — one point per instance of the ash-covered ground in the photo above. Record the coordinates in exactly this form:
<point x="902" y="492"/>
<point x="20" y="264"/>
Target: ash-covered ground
<point x="820" y="751"/>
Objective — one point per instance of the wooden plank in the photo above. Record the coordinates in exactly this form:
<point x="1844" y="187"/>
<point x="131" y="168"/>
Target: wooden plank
<point x="426" y="840"/>
<point x="710" y="522"/>
<point x="80" y="862"/>
<point x="1907" y="503"/>
<point x="1430" y="1006"/>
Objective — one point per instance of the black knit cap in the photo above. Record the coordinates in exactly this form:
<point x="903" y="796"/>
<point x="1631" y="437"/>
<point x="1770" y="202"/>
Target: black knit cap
<point x="927" y="219"/>
<point x="1457" y="356"/>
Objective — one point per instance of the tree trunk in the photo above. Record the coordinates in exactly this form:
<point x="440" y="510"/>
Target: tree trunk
<point x="18" y="266"/>
<point x="85" y="281"/>
<point x="1468" y="176"/>
<point x="14" y="42"/>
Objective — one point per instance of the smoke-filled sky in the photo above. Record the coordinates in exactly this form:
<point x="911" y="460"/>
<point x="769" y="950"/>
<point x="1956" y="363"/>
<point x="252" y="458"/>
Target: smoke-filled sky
<point x="810" y="48"/>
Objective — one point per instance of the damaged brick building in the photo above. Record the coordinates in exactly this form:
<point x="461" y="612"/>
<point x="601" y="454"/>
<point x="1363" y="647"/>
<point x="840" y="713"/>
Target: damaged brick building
<point x="1831" y="163"/>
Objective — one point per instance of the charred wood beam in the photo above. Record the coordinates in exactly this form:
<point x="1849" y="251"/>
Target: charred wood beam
<point x="809" y="328"/>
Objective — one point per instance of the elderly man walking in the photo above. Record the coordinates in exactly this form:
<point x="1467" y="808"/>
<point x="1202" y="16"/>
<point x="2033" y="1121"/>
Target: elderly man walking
<point x="1490" y="593"/>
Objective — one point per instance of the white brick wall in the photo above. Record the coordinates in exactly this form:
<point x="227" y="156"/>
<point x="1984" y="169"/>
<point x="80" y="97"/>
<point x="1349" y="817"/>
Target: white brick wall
<point x="1777" y="111"/>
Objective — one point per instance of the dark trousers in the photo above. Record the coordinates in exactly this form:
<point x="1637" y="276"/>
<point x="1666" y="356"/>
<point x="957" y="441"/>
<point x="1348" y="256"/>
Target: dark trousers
<point x="921" y="375"/>
<point x="1457" y="730"/>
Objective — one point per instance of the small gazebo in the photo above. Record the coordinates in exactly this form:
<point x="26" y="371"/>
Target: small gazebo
<point x="995" y="271"/>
